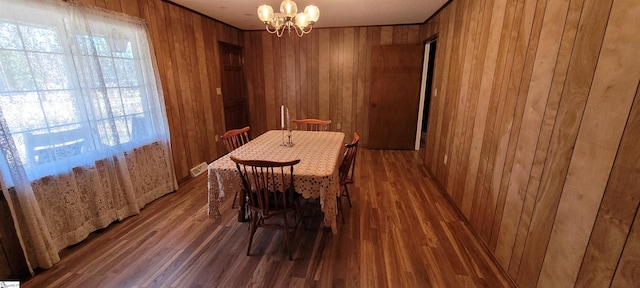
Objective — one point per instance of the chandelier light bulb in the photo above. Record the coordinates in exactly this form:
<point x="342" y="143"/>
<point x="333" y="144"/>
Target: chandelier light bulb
<point x="312" y="12"/>
<point x="265" y="13"/>
<point x="301" y="20"/>
<point x="288" y="8"/>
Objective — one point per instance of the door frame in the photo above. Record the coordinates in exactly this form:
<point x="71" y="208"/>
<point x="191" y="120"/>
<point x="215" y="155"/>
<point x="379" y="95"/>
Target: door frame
<point x="423" y="88"/>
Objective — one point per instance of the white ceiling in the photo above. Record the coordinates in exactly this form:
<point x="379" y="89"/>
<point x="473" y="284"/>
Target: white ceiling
<point x="242" y="14"/>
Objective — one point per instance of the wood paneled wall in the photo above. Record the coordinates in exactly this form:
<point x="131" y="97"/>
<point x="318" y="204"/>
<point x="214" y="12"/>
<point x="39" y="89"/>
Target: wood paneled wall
<point x="325" y="74"/>
<point x="185" y="45"/>
<point x="538" y="111"/>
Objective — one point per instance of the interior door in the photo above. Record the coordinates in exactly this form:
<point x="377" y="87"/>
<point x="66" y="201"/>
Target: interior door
<point x="395" y="95"/>
<point x="233" y="87"/>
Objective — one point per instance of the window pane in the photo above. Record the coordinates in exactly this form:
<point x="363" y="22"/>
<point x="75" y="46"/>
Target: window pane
<point x="99" y="103"/>
<point x="49" y="71"/>
<point x="132" y="101"/>
<point x="40" y="39"/>
<point x="61" y="107"/>
<point x="90" y="73"/>
<point x="15" y="71"/>
<point x="22" y="111"/>
<point x="108" y="72"/>
<point x="140" y="127"/>
<point x="125" y="54"/>
<point x="108" y="132"/>
<point x="123" y="130"/>
<point x="126" y="72"/>
<point x="116" y="103"/>
<point x="82" y="44"/>
<point x="102" y="76"/>
<point x="9" y="36"/>
<point x="93" y="45"/>
<point x="102" y="46"/>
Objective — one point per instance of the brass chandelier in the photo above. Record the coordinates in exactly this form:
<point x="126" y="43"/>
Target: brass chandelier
<point x="288" y="18"/>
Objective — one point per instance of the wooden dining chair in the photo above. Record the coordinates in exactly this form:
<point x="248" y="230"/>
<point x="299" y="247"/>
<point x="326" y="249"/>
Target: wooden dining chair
<point x="233" y="139"/>
<point x="347" y="166"/>
<point x="345" y="171"/>
<point x="271" y="194"/>
<point x="312" y="124"/>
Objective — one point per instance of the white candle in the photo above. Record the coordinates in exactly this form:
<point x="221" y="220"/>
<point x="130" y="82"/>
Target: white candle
<point x="282" y="117"/>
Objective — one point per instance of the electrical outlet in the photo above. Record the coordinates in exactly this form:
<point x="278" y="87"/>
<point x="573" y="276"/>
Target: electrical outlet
<point x="445" y="159"/>
<point x="435" y="93"/>
<point x="338" y="126"/>
<point x="219" y="91"/>
<point x="217" y="138"/>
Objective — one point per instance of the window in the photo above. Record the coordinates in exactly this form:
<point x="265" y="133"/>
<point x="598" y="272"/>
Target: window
<point x="78" y="94"/>
<point x="71" y="92"/>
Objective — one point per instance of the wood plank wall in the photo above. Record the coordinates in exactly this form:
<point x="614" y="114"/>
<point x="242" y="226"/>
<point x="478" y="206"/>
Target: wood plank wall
<point x="185" y="45"/>
<point x="325" y="74"/>
<point x="537" y="110"/>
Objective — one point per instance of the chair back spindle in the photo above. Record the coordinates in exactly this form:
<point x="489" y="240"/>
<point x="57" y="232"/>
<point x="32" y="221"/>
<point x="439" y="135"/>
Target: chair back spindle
<point x="235" y="138"/>
<point x="271" y="188"/>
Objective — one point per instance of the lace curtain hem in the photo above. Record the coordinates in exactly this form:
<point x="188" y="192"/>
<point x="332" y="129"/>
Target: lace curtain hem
<point x="75" y="204"/>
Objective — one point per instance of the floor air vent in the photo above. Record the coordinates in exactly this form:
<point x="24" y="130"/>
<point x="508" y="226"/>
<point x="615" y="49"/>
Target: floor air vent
<point x="199" y="169"/>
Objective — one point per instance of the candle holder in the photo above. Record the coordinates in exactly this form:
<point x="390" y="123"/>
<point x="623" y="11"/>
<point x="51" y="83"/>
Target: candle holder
<point x="283" y="111"/>
<point x="287" y="142"/>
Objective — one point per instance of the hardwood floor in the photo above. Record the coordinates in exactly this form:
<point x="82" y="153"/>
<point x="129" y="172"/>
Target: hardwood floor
<point x="400" y="232"/>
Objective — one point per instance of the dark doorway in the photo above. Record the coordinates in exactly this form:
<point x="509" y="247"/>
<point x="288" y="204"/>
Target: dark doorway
<point x="428" y="87"/>
<point x="233" y="87"/>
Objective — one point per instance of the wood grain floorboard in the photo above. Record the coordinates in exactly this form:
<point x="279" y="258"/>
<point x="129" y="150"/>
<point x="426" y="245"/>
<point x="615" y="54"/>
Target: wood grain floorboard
<point x="400" y="232"/>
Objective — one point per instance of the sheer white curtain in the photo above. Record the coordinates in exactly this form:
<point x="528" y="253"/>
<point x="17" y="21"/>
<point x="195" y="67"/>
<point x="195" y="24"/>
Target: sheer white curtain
<point x="83" y="130"/>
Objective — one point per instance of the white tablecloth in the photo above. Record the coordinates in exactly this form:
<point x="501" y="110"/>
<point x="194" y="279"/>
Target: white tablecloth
<point x="315" y="176"/>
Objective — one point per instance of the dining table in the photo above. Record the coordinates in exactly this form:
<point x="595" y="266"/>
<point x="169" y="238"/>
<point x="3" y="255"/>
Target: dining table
<point x="316" y="176"/>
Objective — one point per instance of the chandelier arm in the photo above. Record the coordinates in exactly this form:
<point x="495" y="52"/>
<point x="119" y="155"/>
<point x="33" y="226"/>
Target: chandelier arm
<point x="301" y="31"/>
<point x="267" y="27"/>
<point x="308" y="31"/>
